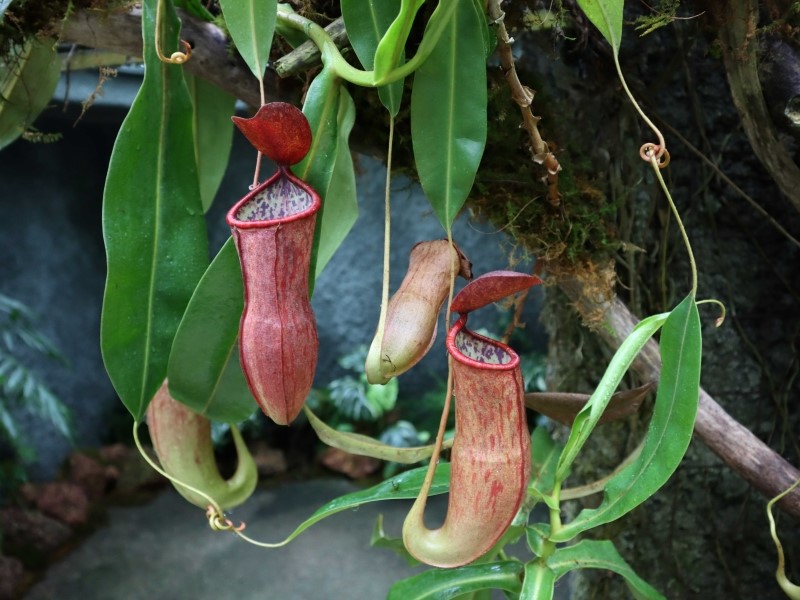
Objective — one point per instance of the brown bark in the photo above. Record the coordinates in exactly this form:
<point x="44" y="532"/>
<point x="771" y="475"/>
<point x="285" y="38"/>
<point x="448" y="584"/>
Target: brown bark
<point x="737" y="32"/>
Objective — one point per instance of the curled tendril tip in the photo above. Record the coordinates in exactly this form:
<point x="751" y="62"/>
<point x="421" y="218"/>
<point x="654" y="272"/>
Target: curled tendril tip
<point x="649" y="151"/>
<point x="218" y="522"/>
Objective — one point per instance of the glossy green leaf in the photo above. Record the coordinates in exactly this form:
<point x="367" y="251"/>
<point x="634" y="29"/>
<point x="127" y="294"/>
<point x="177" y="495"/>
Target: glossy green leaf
<point x="251" y="24"/>
<point x="592" y="554"/>
<point x="213" y="134"/>
<point x="448" y="114"/>
<point x="400" y="487"/>
<point x="539" y="582"/>
<point x="441" y="584"/>
<point x="379" y="539"/>
<point x="586" y="420"/>
<point x="322" y="109"/>
<point x="489" y="39"/>
<point x="366" y="22"/>
<point x="537" y="537"/>
<point x="670" y="429"/>
<point x="204" y="371"/>
<point x="606" y="15"/>
<point x="363" y="445"/>
<point x="340" y="202"/>
<point x="389" y="50"/>
<point x="153" y="226"/>
<point x="28" y="78"/>
<point x="544" y="458"/>
<point x="196" y="8"/>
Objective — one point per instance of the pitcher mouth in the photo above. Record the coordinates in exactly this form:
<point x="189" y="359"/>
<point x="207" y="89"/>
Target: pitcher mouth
<point x="283" y="198"/>
<point x="478" y="351"/>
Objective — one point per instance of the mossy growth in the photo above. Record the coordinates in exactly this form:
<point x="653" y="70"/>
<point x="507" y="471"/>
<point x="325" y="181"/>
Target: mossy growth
<point x="510" y="193"/>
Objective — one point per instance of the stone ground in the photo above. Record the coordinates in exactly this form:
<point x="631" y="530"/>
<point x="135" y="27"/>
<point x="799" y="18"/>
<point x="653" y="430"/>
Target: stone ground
<point x="165" y="550"/>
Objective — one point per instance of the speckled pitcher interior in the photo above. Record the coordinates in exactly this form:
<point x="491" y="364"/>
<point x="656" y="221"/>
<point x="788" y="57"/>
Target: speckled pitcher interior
<point x="481" y="350"/>
<point x="278" y="200"/>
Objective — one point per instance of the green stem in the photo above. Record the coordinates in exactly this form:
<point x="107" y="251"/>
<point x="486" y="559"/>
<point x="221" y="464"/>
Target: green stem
<point x="657" y="170"/>
<point x="653" y="153"/>
<point x="790" y="589"/>
<point x="213" y="503"/>
<point x="555" y="510"/>
<point x="333" y="58"/>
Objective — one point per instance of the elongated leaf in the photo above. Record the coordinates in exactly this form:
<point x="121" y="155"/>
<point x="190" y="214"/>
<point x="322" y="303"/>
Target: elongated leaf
<point x="340" y="201"/>
<point x="592" y="554"/>
<point x="213" y="134"/>
<point x="670" y="429"/>
<point x="355" y="443"/>
<point x="448" y="114"/>
<point x="606" y="15"/>
<point x="539" y="583"/>
<point x="28" y="77"/>
<point x="400" y="487"/>
<point x="389" y="49"/>
<point x="379" y="539"/>
<point x="589" y="416"/>
<point x="204" y="371"/>
<point x="153" y="226"/>
<point x="441" y="584"/>
<point x="544" y="458"/>
<point x="366" y="22"/>
<point x="196" y="8"/>
<point x="251" y="24"/>
<point x="322" y="108"/>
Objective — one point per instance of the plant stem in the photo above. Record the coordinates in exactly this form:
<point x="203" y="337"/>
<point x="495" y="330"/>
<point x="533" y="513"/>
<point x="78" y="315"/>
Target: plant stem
<point x="387" y="243"/>
<point x="212" y="503"/>
<point x="334" y="59"/>
<point x="653" y="153"/>
<point x="657" y="170"/>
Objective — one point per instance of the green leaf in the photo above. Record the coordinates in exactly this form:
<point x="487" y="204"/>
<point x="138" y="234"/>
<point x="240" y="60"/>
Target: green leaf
<point x="322" y="109"/>
<point x="379" y="539"/>
<point x="593" y="554"/>
<point x="366" y="22"/>
<point x="537" y="537"/>
<point x="356" y="443"/>
<point x="441" y="584"/>
<point x="196" y="8"/>
<point x="539" y="583"/>
<point x="381" y="398"/>
<point x="606" y="15"/>
<point x="213" y="134"/>
<point x="28" y="78"/>
<point x="204" y="371"/>
<point x="251" y="24"/>
<point x="390" y="48"/>
<point x="544" y="458"/>
<point x="153" y="226"/>
<point x="400" y="487"/>
<point x="340" y="202"/>
<point x="448" y="114"/>
<point x="586" y="420"/>
<point x="670" y="429"/>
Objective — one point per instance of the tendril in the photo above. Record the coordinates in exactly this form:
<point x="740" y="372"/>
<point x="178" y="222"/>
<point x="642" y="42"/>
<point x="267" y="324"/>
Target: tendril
<point x="176" y="58"/>
<point x="659" y="151"/>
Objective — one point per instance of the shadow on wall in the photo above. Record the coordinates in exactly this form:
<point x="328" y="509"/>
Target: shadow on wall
<point x="54" y="261"/>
